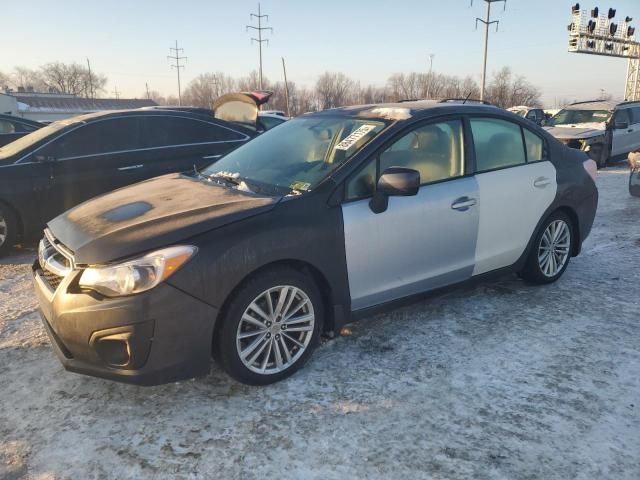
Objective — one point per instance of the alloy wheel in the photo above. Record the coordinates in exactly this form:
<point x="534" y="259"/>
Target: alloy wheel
<point x="554" y="249"/>
<point x="275" y="329"/>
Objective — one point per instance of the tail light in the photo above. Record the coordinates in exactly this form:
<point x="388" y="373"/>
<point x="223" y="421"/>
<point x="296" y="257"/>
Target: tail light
<point x="591" y="167"/>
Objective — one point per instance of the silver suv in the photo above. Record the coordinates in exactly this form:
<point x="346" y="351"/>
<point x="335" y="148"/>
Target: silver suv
<point x="605" y="130"/>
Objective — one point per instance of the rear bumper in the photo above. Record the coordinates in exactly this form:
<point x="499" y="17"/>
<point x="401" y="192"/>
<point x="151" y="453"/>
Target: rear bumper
<point x="160" y="336"/>
<point x="586" y="211"/>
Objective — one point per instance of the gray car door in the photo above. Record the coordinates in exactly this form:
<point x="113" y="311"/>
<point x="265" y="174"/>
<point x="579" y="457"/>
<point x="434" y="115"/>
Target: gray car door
<point x="421" y="242"/>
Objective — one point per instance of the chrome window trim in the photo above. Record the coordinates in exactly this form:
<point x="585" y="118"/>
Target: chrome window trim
<point x="84" y="123"/>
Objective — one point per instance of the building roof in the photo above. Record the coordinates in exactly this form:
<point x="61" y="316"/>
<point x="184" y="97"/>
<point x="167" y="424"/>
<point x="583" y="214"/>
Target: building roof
<point x="50" y="102"/>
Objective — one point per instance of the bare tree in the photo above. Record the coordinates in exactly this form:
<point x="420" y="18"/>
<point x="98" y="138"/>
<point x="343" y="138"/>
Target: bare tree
<point x="204" y="89"/>
<point x="506" y="91"/>
<point x="333" y="90"/>
<point x="72" y="79"/>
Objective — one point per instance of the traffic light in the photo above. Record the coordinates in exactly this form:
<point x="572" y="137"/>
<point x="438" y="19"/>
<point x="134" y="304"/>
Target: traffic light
<point x="631" y="31"/>
<point x="594" y="12"/>
<point x="575" y="8"/>
<point x="591" y="26"/>
<point x="613" y="28"/>
<point x="612" y="13"/>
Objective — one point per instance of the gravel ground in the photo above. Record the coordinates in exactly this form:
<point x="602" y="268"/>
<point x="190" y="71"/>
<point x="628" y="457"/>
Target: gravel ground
<point x="499" y="381"/>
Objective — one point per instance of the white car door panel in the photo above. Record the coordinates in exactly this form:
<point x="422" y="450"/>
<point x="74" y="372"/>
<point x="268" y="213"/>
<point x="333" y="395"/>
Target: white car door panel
<point x="511" y="203"/>
<point x="419" y="243"/>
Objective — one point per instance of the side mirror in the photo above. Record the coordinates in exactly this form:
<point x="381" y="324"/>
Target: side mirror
<point x="394" y="182"/>
<point x="621" y="125"/>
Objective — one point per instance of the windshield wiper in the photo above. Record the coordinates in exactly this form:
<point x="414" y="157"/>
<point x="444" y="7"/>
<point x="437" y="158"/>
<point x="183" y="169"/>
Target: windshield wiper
<point x="227" y="177"/>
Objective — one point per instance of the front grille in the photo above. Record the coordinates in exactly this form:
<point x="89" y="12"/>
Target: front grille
<point x="54" y="264"/>
<point x="51" y="278"/>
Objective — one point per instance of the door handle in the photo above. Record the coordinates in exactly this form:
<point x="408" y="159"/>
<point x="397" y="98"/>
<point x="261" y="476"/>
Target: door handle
<point x="541" y="182"/>
<point x="130" y="167"/>
<point x="211" y="157"/>
<point x="463" y="204"/>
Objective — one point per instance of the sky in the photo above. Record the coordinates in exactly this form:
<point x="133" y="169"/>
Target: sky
<point x="128" y="41"/>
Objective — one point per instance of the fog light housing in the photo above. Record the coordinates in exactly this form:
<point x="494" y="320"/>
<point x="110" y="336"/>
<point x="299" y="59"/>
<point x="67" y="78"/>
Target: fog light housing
<point x="115" y="352"/>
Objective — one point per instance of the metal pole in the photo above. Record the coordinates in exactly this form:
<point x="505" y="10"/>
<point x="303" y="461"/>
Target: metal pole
<point x="179" y="90"/>
<point x="486" y="49"/>
<point x="90" y="79"/>
<point x="286" y="87"/>
<point x="260" y="42"/>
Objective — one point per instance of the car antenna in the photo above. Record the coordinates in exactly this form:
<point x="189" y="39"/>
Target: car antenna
<point x="465" y="100"/>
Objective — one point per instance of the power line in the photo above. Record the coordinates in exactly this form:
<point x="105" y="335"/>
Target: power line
<point x="259" y="16"/>
<point x="487" y="21"/>
<point x="177" y="58"/>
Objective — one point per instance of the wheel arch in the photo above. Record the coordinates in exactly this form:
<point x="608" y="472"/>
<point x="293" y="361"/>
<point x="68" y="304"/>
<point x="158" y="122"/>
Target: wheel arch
<point x="576" y="244"/>
<point x="16" y="216"/>
<point x="301" y="266"/>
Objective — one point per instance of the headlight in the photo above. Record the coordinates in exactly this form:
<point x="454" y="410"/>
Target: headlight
<point x="136" y="276"/>
<point x="586" y="143"/>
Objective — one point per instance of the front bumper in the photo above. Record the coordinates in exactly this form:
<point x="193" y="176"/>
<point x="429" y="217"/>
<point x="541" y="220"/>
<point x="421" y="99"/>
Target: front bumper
<point x="156" y="337"/>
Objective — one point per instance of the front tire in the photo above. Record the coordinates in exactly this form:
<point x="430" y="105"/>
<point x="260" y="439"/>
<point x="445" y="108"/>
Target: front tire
<point x="551" y="251"/>
<point x="7" y="229"/>
<point x="270" y="327"/>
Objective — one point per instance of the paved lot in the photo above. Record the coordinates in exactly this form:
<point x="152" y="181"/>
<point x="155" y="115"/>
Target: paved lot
<point x="500" y="381"/>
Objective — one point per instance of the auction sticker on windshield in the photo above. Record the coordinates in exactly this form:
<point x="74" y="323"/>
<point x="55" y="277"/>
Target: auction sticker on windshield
<point x="353" y="138"/>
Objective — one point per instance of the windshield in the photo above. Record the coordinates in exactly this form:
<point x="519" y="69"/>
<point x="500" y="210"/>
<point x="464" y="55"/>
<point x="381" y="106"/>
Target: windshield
<point x="28" y="140"/>
<point x="572" y="117"/>
<point x="296" y="156"/>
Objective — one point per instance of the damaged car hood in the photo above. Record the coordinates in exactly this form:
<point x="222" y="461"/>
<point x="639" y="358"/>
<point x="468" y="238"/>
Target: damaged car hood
<point x="577" y="131"/>
<point x="149" y="215"/>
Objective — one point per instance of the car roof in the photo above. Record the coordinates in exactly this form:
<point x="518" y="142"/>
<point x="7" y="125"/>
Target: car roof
<point x="407" y="110"/>
<point x="592" y="105"/>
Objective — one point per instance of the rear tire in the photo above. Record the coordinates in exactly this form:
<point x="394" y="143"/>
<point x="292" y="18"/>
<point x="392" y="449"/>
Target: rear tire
<point x="551" y="250"/>
<point x="270" y="327"/>
<point x="8" y="227"/>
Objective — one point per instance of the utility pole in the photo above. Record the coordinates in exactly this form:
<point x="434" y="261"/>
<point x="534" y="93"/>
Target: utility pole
<point x="177" y="58"/>
<point x="431" y="55"/>
<point x="487" y="21"/>
<point x="116" y="93"/>
<point x="286" y="87"/>
<point x="146" y="85"/>
<point x="91" y="92"/>
<point x="259" y="16"/>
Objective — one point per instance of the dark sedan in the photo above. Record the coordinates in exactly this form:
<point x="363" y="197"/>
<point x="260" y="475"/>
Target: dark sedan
<point x="13" y="128"/>
<point x="65" y="163"/>
<point x="326" y="217"/>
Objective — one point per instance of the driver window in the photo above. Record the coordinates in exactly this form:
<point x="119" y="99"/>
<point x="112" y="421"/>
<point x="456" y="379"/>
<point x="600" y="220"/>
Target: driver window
<point x="436" y="151"/>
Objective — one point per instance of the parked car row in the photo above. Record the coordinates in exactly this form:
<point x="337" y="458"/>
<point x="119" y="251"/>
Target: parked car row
<point x="63" y="164"/>
<point x="328" y="217"/>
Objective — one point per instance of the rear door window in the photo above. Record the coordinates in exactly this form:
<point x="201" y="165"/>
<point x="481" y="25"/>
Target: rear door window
<point x="498" y="144"/>
<point x="164" y="131"/>
<point x="635" y="115"/>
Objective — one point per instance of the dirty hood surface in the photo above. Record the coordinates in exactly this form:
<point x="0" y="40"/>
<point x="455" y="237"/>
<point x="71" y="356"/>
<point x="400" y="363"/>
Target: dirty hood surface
<point x="151" y="214"/>
<point x="579" y="130"/>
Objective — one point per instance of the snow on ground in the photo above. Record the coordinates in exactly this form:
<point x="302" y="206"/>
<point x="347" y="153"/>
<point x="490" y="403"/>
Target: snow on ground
<point x="498" y="381"/>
